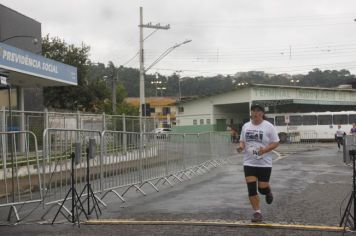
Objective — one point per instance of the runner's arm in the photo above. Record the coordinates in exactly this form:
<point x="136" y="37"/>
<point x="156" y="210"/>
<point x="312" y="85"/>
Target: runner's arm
<point x="268" y="148"/>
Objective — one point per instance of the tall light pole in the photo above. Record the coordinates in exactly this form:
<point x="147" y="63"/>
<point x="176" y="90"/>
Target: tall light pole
<point x="179" y="91"/>
<point x="142" y="108"/>
<point x="294" y="82"/>
<point x="114" y="90"/>
<point x="162" y="88"/>
<point x="156" y="82"/>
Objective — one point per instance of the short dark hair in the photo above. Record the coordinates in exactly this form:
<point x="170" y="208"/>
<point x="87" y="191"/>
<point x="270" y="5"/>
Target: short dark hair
<point x="257" y="107"/>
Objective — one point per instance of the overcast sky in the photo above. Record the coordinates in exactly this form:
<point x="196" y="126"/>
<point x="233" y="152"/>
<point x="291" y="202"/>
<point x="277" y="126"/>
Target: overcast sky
<point x="228" y="36"/>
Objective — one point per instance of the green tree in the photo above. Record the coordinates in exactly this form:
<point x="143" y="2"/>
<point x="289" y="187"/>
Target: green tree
<point x="68" y="97"/>
<point x="327" y="78"/>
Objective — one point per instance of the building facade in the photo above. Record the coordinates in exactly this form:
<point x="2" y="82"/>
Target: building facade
<point x="162" y="109"/>
<point x="215" y="113"/>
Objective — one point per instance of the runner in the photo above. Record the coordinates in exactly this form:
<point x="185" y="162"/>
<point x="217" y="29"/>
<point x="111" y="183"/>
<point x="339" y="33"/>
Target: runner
<point x="258" y="138"/>
<point x="339" y="136"/>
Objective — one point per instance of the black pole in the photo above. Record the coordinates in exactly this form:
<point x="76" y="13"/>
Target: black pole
<point x="73" y="193"/>
<point x="354" y="188"/>
<point x="88" y="184"/>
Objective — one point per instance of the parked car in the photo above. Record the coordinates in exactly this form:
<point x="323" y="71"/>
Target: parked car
<point x="162" y="132"/>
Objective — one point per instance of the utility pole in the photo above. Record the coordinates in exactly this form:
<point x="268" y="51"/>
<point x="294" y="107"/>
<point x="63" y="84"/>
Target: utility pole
<point x="158" y="26"/>
<point x="142" y="108"/>
<point x="114" y="90"/>
<point x="179" y="91"/>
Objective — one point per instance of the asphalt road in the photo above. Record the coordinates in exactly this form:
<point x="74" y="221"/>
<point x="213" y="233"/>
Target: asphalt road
<point x="311" y="186"/>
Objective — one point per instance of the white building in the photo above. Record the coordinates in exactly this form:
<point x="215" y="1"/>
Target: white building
<point x="214" y="113"/>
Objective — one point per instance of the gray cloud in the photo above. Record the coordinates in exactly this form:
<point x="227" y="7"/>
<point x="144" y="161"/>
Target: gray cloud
<point x="278" y="36"/>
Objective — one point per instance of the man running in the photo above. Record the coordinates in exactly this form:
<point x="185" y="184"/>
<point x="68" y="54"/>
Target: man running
<point x="339" y="136"/>
<point x="258" y="138"/>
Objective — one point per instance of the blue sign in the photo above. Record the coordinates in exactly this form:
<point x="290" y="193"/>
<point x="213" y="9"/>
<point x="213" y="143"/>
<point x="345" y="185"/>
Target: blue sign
<point x="15" y="59"/>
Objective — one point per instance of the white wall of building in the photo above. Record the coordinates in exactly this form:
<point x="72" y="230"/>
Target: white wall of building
<point x="196" y="110"/>
<point x="209" y="108"/>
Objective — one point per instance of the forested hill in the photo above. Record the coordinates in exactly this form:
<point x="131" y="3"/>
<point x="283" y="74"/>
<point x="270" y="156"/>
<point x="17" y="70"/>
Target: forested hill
<point x="197" y="86"/>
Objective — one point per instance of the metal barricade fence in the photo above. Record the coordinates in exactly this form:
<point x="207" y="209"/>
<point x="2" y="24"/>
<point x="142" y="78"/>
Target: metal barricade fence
<point x="124" y="160"/>
<point x="59" y="147"/>
<point x="310" y="136"/>
<point x="120" y="159"/>
<point x="349" y="143"/>
<point x="192" y="151"/>
<point x="297" y="137"/>
<point x="172" y="147"/>
<point x="20" y="181"/>
<point x="128" y="164"/>
<point x="219" y="149"/>
<point x="38" y="121"/>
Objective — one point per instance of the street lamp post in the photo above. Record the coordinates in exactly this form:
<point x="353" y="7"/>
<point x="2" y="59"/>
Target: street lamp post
<point x="165" y="53"/>
<point x="294" y="82"/>
<point x="142" y="109"/>
<point x="35" y="40"/>
<point x="113" y="96"/>
<point x="156" y="83"/>
<point x="142" y="67"/>
<point x="179" y="91"/>
<point x="162" y="88"/>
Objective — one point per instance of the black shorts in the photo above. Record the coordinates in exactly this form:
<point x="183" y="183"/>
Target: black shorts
<point x="339" y="139"/>
<point x="261" y="173"/>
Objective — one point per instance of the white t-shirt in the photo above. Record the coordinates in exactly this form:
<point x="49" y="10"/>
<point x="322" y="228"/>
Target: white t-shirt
<point x="339" y="133"/>
<point x="254" y="137"/>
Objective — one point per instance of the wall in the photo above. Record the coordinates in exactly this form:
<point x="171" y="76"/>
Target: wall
<point x="13" y="23"/>
<point x="232" y="105"/>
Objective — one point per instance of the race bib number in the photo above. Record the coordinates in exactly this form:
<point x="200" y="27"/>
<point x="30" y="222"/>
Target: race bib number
<point x="253" y="152"/>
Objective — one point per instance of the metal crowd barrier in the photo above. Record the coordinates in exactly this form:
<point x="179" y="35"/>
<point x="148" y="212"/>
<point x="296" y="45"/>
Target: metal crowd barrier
<point x="59" y="146"/>
<point x="38" y="121"/>
<point x="349" y="143"/>
<point x="297" y="137"/>
<point x="160" y="158"/>
<point x="310" y="136"/>
<point x="20" y="181"/>
<point x="121" y="161"/>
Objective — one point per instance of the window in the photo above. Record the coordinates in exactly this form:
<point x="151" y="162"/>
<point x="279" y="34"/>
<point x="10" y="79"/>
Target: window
<point x="271" y="120"/>
<point x="201" y="121"/>
<point x="309" y="120"/>
<point x="340" y="119"/>
<point x="280" y="121"/>
<point x="166" y="110"/>
<point x="208" y="121"/>
<point x="295" y="120"/>
<point x="181" y="109"/>
<point x="195" y="122"/>
<point x="352" y="119"/>
<point x="324" y="120"/>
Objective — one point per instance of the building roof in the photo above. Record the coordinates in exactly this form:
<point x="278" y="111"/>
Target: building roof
<point x="153" y="101"/>
<point x="268" y="86"/>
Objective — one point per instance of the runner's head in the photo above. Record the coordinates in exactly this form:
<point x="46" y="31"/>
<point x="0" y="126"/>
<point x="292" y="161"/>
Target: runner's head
<point x="257" y="113"/>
